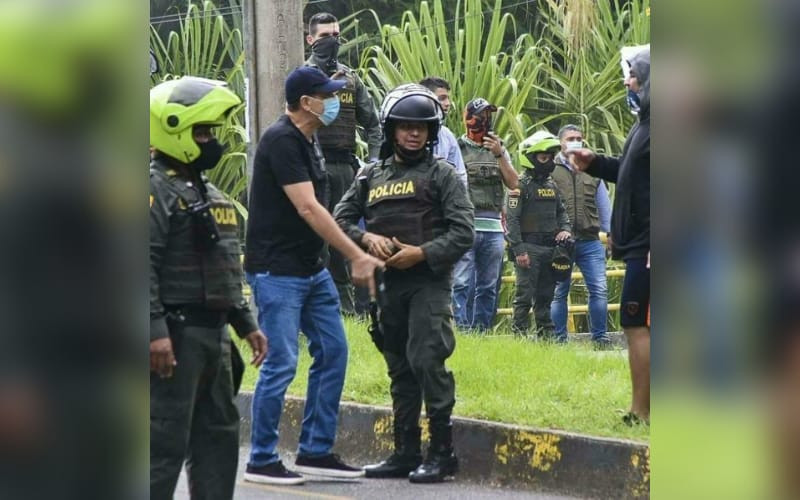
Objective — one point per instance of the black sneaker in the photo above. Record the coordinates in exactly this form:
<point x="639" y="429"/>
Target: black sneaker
<point x="631" y="419"/>
<point x="329" y="465"/>
<point x="274" y="473"/>
<point x="602" y="345"/>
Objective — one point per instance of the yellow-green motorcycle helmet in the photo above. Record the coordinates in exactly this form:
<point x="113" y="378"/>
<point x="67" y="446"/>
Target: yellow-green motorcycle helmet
<point x="178" y="105"/>
<point x="539" y="142"/>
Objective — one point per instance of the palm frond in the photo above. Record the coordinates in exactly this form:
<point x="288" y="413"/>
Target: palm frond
<point x="207" y="44"/>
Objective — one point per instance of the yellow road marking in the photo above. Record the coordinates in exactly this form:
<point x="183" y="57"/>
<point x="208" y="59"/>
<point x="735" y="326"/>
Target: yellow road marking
<point x="292" y="491"/>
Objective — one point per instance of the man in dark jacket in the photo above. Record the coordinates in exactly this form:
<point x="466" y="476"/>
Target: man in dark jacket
<point x="630" y="228"/>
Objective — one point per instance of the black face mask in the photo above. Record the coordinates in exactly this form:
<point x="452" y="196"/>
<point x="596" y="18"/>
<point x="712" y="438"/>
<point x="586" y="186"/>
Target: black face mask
<point x="408" y="155"/>
<point x="210" y="155"/>
<point x="542" y="169"/>
<point x="325" y="52"/>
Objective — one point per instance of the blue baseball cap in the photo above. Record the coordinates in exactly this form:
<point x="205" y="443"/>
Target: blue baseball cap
<point x="307" y="80"/>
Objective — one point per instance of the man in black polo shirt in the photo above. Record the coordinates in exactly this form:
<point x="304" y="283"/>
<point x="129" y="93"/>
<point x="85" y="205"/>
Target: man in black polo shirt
<point x="287" y="227"/>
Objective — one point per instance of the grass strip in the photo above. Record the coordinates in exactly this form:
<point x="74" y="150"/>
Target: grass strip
<point x="503" y="379"/>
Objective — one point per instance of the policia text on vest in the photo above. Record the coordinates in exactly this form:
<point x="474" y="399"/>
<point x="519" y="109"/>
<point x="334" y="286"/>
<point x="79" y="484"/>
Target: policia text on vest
<point x="196" y="290"/>
<point x="397" y="190"/>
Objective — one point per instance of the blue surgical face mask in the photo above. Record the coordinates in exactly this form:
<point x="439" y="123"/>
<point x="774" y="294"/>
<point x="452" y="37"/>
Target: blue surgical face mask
<point x="330" y="111"/>
<point x="633" y="101"/>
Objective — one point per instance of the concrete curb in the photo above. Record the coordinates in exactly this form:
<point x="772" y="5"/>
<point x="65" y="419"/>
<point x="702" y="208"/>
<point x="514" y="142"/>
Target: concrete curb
<point x="490" y="453"/>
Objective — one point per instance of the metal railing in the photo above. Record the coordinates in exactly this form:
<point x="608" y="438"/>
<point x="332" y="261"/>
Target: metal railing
<point x="571" y="309"/>
<point x="507" y="311"/>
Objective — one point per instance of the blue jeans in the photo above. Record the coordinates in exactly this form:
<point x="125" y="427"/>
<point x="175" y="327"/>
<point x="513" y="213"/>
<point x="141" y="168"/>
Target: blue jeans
<point x="590" y="256"/>
<point x="480" y="264"/>
<point x="287" y="304"/>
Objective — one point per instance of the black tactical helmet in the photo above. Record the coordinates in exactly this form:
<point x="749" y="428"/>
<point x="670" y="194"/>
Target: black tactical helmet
<point x="563" y="255"/>
<point x="410" y="103"/>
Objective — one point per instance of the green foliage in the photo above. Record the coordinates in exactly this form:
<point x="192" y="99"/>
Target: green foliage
<point x="501" y="379"/>
<point x="468" y="53"/>
<point x="580" y="42"/>
<point x="388" y="10"/>
<point x="209" y="44"/>
<point x="564" y="69"/>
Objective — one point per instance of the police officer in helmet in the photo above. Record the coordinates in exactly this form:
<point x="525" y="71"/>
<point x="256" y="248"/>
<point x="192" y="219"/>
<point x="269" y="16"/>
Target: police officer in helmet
<point x="195" y="292"/>
<point x="536" y="220"/>
<point x="419" y="221"/>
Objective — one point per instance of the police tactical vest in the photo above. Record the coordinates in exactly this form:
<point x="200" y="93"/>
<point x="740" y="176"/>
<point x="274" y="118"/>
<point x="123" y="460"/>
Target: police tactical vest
<point x="483" y="174"/>
<point x="539" y="204"/>
<point x="406" y="205"/>
<point x="579" y="193"/>
<point x="341" y="134"/>
<point x="212" y="277"/>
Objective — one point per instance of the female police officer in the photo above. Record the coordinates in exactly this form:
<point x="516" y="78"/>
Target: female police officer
<point x="419" y="220"/>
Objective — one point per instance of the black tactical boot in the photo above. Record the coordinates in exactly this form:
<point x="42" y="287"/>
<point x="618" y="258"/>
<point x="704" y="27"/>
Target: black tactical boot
<point x="441" y="461"/>
<point x="406" y="456"/>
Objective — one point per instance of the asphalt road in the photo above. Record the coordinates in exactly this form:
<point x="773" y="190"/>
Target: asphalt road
<point x="400" y="489"/>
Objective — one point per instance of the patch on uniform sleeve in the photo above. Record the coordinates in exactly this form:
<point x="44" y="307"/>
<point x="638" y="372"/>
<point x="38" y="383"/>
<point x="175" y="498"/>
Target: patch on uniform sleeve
<point x="513" y="198"/>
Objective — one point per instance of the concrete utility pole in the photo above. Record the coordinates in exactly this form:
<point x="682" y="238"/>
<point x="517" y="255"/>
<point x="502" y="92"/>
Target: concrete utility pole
<point x="273" y="40"/>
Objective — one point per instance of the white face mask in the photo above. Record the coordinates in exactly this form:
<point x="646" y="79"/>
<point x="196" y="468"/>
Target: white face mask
<point x="573" y="145"/>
